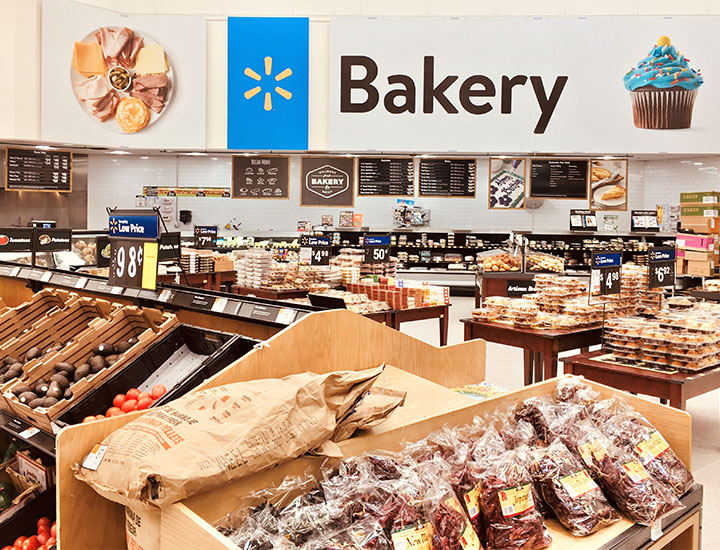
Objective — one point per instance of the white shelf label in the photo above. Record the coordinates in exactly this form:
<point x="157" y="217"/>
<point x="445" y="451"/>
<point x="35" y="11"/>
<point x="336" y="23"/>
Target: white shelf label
<point x="219" y="305"/>
<point x="27" y="434"/>
<point x="285" y="316"/>
<point x="93" y="460"/>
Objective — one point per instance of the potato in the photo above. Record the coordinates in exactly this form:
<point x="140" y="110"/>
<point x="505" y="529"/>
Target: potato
<point x="62" y="380"/>
<point x="50" y="401"/>
<point x="26" y="397"/>
<point x="81" y="372"/>
<point x="21" y="389"/>
<point x="35" y="403"/>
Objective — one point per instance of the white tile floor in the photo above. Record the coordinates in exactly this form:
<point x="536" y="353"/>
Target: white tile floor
<point x="504" y="367"/>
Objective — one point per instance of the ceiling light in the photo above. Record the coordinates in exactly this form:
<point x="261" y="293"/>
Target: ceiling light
<point x="43" y="147"/>
<point x="214" y="158"/>
<point x="607" y="157"/>
<point x="119" y="152"/>
<point x="196" y="154"/>
<point x="697" y="163"/>
<point x="144" y="158"/>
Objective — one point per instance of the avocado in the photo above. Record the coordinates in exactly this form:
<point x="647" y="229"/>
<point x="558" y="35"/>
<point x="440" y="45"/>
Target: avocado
<point x="55" y="392"/>
<point x="122" y="347"/>
<point x="68" y="394"/>
<point x="32" y="353"/>
<point x="111" y="359"/>
<point x="11" y="360"/>
<point x="81" y="372"/>
<point x="65" y="367"/>
<point x="41" y="388"/>
<point x="35" y="403"/>
<point x="97" y="363"/>
<point x="61" y="379"/>
<point x="26" y="397"/>
<point x="104" y="349"/>
<point x="49" y="401"/>
<point x="21" y="389"/>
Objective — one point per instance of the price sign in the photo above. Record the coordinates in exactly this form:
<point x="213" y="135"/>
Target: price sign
<point x="205" y="236"/>
<point x="315" y="250"/>
<point x="133" y="263"/>
<point x="605" y="273"/>
<point x="377" y="249"/>
<point x="661" y="267"/>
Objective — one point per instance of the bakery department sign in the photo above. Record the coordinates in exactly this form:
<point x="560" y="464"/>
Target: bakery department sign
<point x="524" y="84"/>
<point x="327" y="181"/>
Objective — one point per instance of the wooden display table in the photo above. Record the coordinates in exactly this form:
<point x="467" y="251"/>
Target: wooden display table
<point x="706" y="295"/>
<point x="209" y="280"/>
<point x="676" y="387"/>
<point x="398" y="316"/>
<point x="268" y="293"/>
<point x="541" y="347"/>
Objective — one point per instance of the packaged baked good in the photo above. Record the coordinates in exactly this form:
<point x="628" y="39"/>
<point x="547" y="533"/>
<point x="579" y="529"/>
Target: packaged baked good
<point x="567" y="487"/>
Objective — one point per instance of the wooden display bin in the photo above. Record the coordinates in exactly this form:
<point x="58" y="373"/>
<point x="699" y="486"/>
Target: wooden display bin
<point x="14" y="320"/>
<point x="147" y="325"/>
<point x="324" y="342"/>
<point x="59" y="325"/>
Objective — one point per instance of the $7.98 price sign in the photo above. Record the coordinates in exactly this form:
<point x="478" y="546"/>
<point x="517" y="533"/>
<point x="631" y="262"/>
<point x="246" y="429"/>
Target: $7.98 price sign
<point x="133" y="263"/>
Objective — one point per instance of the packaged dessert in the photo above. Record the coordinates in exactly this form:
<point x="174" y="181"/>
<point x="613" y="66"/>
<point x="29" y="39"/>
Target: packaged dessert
<point x="630" y="431"/>
<point x="499" y="260"/>
<point x="577" y="501"/>
<point x="539" y="261"/>
<point x="507" y="502"/>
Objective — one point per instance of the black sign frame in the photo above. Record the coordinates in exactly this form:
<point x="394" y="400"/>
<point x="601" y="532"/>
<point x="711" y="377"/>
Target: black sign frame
<point x="45" y="154"/>
<point x="612" y="273"/>
<point x="244" y="169"/>
<point x="536" y="164"/>
<point x="201" y="233"/>
<point x="660" y="267"/>
<point x="378" y="163"/>
<point x="133" y="256"/>
<point x="470" y="191"/>
<point x="315" y="165"/>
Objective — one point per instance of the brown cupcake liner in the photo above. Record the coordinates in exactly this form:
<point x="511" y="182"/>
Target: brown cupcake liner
<point x="663" y="109"/>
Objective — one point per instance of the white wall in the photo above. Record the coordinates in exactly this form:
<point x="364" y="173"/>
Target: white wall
<point x="115" y="180"/>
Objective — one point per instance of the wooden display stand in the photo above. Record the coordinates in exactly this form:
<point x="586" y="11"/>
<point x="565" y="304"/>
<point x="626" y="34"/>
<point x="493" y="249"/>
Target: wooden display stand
<point x="323" y="342"/>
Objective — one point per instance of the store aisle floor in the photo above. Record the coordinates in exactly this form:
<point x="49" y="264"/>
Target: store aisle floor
<point x="504" y="367"/>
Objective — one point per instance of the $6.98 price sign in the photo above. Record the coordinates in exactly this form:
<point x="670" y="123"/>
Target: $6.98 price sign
<point x="133" y="263"/>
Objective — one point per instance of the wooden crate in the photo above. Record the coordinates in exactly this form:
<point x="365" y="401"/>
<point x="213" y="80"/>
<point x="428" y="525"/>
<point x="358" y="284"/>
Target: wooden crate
<point x="14" y="320"/>
<point x="59" y="325"/>
<point x="147" y="325"/>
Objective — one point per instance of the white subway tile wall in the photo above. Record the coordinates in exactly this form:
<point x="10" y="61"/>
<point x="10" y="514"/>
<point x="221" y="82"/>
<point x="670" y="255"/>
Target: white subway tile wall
<point x="115" y="180"/>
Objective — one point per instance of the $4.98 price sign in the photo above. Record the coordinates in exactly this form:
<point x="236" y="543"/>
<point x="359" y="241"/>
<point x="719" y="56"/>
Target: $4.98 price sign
<point x="133" y="263"/>
<point x="605" y="273"/>
<point x="315" y="250"/>
<point x="661" y="267"/>
<point x="376" y="249"/>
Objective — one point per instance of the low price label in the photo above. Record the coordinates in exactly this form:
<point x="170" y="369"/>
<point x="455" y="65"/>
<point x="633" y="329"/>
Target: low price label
<point x="133" y="263"/>
<point x="315" y="250"/>
<point x="376" y="249"/>
<point x="205" y="236"/>
<point x="605" y="273"/>
<point x="661" y="267"/>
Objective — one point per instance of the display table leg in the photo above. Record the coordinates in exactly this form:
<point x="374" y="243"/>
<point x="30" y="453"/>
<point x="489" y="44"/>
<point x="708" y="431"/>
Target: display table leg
<point x="528" y="357"/>
<point x="444" y="326"/>
<point x="538" y="366"/>
<point x="677" y="397"/>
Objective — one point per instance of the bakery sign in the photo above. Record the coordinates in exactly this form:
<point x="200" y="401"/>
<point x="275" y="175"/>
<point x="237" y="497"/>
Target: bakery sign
<point x="512" y="84"/>
<point x="327" y="181"/>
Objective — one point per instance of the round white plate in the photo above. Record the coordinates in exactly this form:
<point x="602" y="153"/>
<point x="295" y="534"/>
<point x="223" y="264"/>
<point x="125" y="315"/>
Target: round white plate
<point x="598" y="192"/>
<point x="110" y="123"/>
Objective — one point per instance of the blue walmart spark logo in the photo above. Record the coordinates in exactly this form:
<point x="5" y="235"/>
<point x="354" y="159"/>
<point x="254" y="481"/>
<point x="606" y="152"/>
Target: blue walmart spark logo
<point x="282" y="92"/>
<point x="268" y="83"/>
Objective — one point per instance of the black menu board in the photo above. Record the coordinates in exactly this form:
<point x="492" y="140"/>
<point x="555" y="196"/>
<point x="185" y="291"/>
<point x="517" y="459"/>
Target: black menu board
<point x="388" y="177"/>
<point x="447" y="177"/>
<point x="559" y="178"/>
<point x="265" y="177"/>
<point x="38" y="170"/>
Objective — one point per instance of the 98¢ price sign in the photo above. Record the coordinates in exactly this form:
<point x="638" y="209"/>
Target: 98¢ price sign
<point x="376" y="249"/>
<point x="661" y="267"/>
<point x="133" y="263"/>
<point x="605" y="273"/>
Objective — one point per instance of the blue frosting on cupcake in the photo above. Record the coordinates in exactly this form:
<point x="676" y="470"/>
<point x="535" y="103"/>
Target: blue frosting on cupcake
<point x="664" y="67"/>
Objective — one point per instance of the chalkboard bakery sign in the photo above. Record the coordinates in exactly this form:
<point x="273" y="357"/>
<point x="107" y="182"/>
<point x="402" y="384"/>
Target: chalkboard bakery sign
<point x="559" y="178"/>
<point x="387" y="177"/>
<point x="327" y="181"/>
<point x="261" y="177"/>
<point x="447" y="177"/>
<point x="38" y="170"/>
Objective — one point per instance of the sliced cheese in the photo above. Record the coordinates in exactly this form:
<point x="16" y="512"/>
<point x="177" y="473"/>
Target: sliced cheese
<point x="88" y="59"/>
<point x="151" y="60"/>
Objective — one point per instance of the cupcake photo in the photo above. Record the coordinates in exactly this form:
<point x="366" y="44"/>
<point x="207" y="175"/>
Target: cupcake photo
<point x="663" y="88"/>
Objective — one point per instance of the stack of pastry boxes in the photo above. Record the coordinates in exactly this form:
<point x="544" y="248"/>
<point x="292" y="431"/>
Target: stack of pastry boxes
<point x="401" y="294"/>
<point x="699" y="254"/>
<point x="683" y="340"/>
<point x="119" y="324"/>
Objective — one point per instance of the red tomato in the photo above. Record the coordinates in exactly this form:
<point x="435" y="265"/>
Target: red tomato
<point x="42" y="547"/>
<point x="43" y="536"/>
<point x="132" y="394"/>
<point x="89" y="419"/>
<point x="19" y="542"/>
<point x="144" y="394"/>
<point x="98" y="417"/>
<point x="7" y="548"/>
<point x="144" y="403"/>
<point x="53" y="533"/>
<point x="44" y="530"/>
<point x="116" y="412"/>
<point x="51" y="542"/>
<point x="158" y="391"/>
<point x="112" y="410"/>
<point x="129" y="406"/>
<point x="43" y="521"/>
<point x="118" y="400"/>
<point x="31" y="543"/>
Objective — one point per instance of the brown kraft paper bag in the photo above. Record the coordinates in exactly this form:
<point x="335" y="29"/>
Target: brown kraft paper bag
<point x="210" y="437"/>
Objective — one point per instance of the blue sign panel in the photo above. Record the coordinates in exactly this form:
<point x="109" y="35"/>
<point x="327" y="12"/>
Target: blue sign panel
<point x="662" y="254"/>
<point x="381" y="240"/>
<point x="606" y="259"/>
<point x="268" y="83"/>
<point x="314" y="241"/>
<point x="139" y="227"/>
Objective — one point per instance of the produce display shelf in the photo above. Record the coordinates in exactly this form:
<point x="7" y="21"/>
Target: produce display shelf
<point x="31" y="435"/>
<point x="169" y="296"/>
